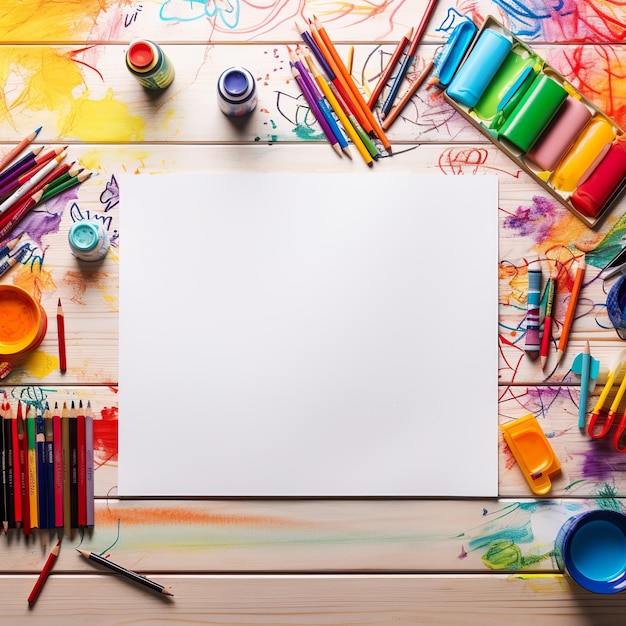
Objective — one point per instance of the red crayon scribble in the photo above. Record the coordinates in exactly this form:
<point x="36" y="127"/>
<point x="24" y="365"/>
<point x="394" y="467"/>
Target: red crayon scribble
<point x="457" y="161"/>
<point x="105" y="437"/>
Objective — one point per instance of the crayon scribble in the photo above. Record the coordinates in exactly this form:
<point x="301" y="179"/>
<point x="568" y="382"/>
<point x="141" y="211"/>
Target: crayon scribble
<point x="566" y="20"/>
<point x="457" y="161"/>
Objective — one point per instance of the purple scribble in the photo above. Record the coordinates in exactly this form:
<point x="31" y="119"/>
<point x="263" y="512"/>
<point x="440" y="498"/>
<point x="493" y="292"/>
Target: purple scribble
<point x="45" y="219"/>
<point x="536" y="219"/>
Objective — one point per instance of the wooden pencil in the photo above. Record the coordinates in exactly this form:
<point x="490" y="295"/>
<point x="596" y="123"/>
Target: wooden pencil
<point x="17" y="500"/>
<point x="81" y="466"/>
<point x="65" y="447"/>
<point x="24" y="475"/>
<point x="22" y="145"/>
<point x="358" y="98"/>
<point x="571" y="309"/>
<point x="389" y="119"/>
<point x="42" y="471"/>
<point x="61" y="337"/>
<point x="4" y="501"/>
<point x="89" y="463"/>
<point x="58" y="466"/>
<point x="134" y="576"/>
<point x="45" y="573"/>
<point x="33" y="487"/>
<point x="388" y="69"/>
<point x="49" y="446"/>
<point x="73" y="435"/>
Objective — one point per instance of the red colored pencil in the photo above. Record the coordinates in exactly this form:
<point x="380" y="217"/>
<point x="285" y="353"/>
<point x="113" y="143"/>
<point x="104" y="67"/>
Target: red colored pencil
<point x="391" y="64"/>
<point x="82" y="465"/>
<point x="9" y="156"/>
<point x="24" y="475"/>
<point x="38" y="162"/>
<point x="14" y="215"/>
<point x="58" y="467"/>
<point x="61" y="337"/>
<point x="45" y="572"/>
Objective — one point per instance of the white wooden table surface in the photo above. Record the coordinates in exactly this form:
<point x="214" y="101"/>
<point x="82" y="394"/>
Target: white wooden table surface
<point x="234" y="561"/>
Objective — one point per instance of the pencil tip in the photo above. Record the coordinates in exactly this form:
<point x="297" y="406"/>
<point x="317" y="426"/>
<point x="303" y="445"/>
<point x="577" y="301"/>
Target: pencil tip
<point x="37" y="131"/>
<point x="347" y="152"/>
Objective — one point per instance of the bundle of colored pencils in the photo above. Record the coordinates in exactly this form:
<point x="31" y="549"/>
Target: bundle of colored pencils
<point x="337" y="96"/>
<point x="47" y="467"/>
<point x="30" y="175"/>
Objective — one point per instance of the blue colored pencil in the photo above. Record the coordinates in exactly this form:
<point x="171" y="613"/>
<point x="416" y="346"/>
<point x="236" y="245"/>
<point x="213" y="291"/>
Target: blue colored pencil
<point x="42" y="473"/>
<point x="49" y="435"/>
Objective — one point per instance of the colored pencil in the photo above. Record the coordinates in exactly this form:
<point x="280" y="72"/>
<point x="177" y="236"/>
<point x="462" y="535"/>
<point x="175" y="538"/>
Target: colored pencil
<point x="315" y="110"/>
<point x="324" y="106"/>
<point x="20" y="166"/>
<point x="72" y="170"/>
<point x="358" y="98"/>
<point x="24" y="475"/>
<point x="387" y="71"/>
<point x="408" y="59"/>
<point x="5" y="266"/>
<point x="30" y="184"/>
<point x="22" y="145"/>
<point x="61" y="337"/>
<point x="134" y="576"/>
<point x="339" y="110"/>
<point x="73" y="434"/>
<point x="58" y="467"/>
<point x="9" y="246"/>
<point x="17" y="499"/>
<point x="571" y="309"/>
<point x="7" y="423"/>
<point x="33" y="485"/>
<point x="38" y="163"/>
<point x="55" y="190"/>
<point x="65" y="446"/>
<point x="42" y="471"/>
<point x="82" y="465"/>
<point x="406" y="98"/>
<point x="546" y="338"/>
<point x="89" y="463"/>
<point x="49" y="436"/>
<point x="13" y="216"/>
<point x="4" y="503"/>
<point x="45" y="572"/>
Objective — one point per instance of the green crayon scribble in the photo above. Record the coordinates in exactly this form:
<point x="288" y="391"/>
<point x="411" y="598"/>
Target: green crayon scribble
<point x="506" y="555"/>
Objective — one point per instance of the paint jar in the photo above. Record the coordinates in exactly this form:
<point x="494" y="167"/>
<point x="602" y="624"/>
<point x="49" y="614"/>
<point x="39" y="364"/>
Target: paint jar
<point x="591" y="548"/>
<point x="88" y="240"/>
<point x="149" y="64"/>
<point x="23" y="324"/>
<point x="236" y="92"/>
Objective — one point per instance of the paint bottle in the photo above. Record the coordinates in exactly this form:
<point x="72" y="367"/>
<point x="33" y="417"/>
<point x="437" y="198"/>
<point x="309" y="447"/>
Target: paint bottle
<point x="591" y="549"/>
<point x="149" y="64"/>
<point x="236" y="92"/>
<point x="88" y="240"/>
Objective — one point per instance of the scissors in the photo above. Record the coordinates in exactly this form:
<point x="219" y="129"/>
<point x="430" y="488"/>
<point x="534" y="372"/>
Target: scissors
<point x="600" y="424"/>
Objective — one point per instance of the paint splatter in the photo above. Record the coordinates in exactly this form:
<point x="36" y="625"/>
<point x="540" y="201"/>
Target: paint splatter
<point x="105" y="437"/>
<point x="536" y="220"/>
<point x="40" y="364"/>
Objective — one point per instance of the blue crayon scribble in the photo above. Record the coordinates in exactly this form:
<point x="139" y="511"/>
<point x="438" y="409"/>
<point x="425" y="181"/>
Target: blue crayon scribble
<point x="527" y="17"/>
<point x="191" y="10"/>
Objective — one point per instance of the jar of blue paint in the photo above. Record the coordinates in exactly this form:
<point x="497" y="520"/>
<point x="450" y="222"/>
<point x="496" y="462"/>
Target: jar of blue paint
<point x="591" y="549"/>
<point x="236" y="92"/>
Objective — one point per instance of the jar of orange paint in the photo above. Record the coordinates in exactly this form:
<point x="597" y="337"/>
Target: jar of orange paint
<point x="23" y="325"/>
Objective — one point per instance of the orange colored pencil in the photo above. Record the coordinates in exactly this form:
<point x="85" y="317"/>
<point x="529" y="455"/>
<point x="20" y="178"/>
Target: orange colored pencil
<point x="9" y="156"/>
<point x="571" y="308"/>
<point x="397" y="109"/>
<point x="357" y="96"/>
<point x="45" y="572"/>
<point x="386" y="73"/>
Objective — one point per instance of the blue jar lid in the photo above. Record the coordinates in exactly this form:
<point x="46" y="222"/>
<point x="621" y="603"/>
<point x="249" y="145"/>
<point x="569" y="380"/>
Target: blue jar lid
<point x="84" y="236"/>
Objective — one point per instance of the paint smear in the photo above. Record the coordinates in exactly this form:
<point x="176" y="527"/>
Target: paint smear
<point x="40" y="364"/>
<point x="105" y="437"/>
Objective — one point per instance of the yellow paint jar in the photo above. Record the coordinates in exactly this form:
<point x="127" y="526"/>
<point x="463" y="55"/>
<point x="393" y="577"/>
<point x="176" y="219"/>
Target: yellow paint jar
<point x="23" y="324"/>
<point x="584" y="151"/>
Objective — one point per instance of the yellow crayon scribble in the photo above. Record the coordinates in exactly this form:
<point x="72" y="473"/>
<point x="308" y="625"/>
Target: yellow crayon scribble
<point x="42" y="20"/>
<point x="35" y="279"/>
<point x="40" y="364"/>
<point x="101" y="120"/>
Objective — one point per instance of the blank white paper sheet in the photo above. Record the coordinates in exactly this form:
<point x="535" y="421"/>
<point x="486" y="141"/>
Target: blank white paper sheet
<point x="308" y="335"/>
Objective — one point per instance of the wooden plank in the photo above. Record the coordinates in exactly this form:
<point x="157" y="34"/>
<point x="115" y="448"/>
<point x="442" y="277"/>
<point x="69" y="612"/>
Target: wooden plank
<point x="315" y="535"/>
<point x="314" y="600"/>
